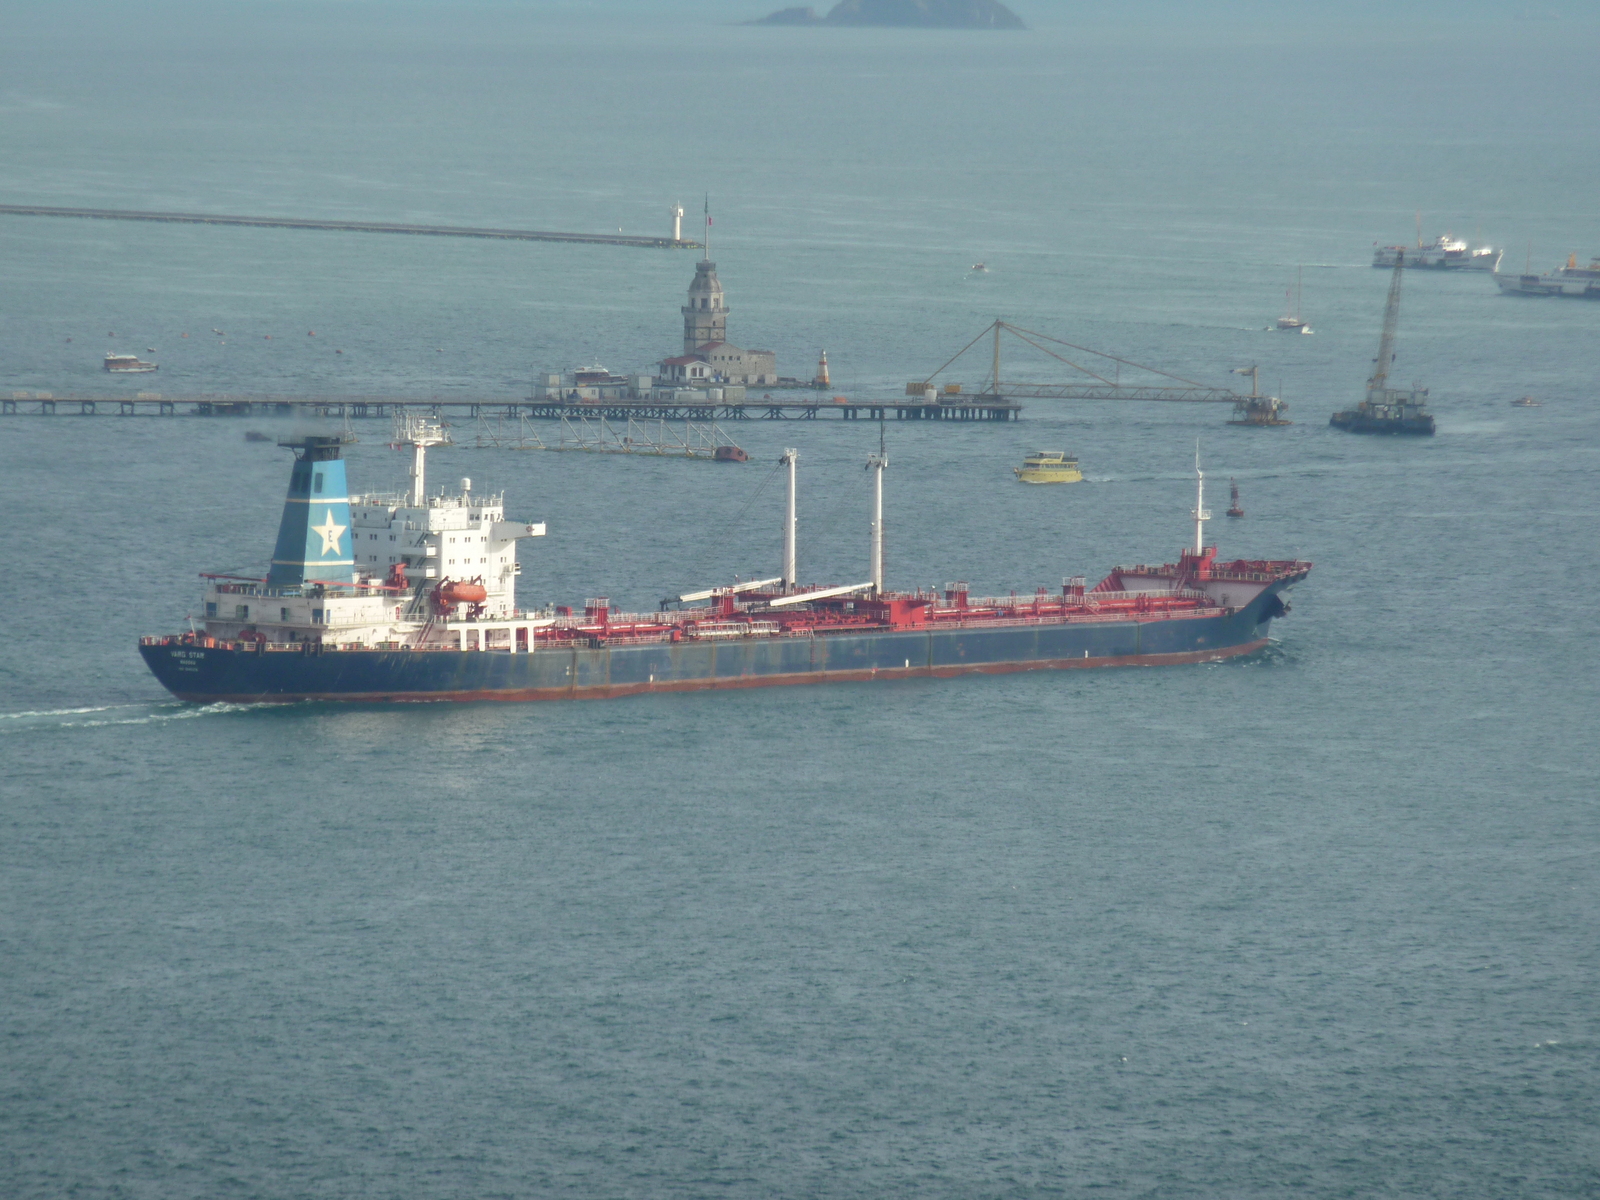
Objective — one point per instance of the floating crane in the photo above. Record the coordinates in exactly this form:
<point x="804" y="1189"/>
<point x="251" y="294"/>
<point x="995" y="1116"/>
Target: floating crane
<point x="1387" y="409"/>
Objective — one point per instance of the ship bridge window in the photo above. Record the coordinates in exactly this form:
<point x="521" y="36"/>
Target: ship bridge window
<point x="316" y="485"/>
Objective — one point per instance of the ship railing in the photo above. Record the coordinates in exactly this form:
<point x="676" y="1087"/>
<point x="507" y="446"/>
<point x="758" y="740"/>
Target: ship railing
<point x="331" y="591"/>
<point x="1088" y="600"/>
<point x="1077" y="618"/>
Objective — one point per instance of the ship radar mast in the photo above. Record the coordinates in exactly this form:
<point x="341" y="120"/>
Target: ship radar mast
<point x="418" y="432"/>
<point x="1201" y="513"/>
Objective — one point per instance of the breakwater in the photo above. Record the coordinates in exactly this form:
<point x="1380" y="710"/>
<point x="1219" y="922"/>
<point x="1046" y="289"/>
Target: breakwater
<point x="516" y="235"/>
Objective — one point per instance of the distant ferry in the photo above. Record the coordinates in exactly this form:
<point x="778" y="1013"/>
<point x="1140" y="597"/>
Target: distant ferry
<point x="1445" y="253"/>
<point x="128" y="364"/>
<point x="1049" y="466"/>
<point x="1570" y="280"/>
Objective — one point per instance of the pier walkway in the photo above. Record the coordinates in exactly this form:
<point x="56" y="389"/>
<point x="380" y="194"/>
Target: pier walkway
<point x="159" y="404"/>
<point x="517" y="235"/>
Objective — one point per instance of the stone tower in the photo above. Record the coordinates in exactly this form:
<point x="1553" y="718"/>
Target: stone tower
<point x="705" y="317"/>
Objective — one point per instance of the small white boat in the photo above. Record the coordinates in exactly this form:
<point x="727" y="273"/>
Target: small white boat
<point x="128" y="364"/>
<point x="980" y="267"/>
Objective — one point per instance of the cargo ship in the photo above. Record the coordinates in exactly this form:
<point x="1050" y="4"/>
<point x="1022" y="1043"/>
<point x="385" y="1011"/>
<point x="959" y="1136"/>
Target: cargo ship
<point x="411" y="596"/>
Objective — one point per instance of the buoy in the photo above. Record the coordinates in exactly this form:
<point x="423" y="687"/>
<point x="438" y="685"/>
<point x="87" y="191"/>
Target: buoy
<point x="269" y="337"/>
<point x="183" y="335"/>
<point x="311" y="333"/>
<point x="338" y="351"/>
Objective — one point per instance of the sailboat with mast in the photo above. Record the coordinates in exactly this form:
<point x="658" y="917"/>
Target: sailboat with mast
<point x="1291" y="321"/>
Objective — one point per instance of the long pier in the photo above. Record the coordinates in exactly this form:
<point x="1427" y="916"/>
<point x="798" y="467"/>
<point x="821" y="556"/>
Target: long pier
<point x="516" y="235"/>
<point x="1198" y="394"/>
<point x="157" y="404"/>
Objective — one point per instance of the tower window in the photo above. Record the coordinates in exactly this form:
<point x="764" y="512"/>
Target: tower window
<point x="317" y="482"/>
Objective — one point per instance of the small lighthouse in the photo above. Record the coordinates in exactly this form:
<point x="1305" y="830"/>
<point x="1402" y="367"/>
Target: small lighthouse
<point x="676" y="213"/>
<point x="822" y="371"/>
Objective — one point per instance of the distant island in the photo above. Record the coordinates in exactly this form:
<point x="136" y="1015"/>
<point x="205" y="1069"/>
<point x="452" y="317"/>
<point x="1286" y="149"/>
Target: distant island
<point x="920" y="14"/>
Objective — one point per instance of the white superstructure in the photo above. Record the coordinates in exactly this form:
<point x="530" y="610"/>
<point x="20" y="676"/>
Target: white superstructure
<point x="422" y="569"/>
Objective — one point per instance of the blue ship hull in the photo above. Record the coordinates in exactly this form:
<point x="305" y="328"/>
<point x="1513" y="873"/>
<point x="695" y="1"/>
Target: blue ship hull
<point x="253" y="675"/>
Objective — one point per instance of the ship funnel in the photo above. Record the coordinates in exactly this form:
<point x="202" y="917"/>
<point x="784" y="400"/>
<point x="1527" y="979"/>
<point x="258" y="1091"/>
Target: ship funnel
<point x="314" y="535"/>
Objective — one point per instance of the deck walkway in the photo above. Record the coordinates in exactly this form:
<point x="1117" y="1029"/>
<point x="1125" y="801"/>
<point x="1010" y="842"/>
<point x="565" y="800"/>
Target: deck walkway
<point x="158" y="404"/>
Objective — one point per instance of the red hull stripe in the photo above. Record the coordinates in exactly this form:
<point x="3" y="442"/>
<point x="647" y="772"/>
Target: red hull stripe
<point x="610" y="692"/>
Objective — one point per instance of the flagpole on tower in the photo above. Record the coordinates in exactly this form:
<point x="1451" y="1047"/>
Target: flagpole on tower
<point x="708" y="228"/>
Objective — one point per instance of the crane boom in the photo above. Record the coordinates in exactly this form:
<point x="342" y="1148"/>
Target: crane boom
<point x="1391" y="318"/>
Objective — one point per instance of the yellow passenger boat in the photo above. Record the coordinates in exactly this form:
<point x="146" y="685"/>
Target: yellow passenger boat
<point x="1049" y="466"/>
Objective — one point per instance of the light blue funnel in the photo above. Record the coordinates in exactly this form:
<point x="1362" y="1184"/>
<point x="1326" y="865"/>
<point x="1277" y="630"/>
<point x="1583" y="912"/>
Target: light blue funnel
<point x="314" y="535"/>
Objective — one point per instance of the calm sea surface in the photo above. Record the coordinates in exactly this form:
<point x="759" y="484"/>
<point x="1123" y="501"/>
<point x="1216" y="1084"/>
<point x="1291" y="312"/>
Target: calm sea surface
<point x="1319" y="923"/>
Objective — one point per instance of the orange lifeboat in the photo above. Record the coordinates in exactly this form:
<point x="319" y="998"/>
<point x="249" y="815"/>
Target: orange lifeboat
<point x="463" y="593"/>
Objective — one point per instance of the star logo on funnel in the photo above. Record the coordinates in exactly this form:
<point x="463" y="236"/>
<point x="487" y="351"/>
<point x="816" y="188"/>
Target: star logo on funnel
<point x="330" y="533"/>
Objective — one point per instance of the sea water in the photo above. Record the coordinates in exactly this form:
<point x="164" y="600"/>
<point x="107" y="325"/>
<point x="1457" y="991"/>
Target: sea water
<point x="1320" y="921"/>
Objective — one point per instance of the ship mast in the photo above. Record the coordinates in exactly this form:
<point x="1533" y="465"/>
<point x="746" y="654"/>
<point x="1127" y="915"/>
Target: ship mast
<point x="790" y="575"/>
<point x="418" y="433"/>
<point x="876" y="463"/>
<point x="1391" y="318"/>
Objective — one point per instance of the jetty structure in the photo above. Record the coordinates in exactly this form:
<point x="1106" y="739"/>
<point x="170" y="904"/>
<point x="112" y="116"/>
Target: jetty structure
<point x="675" y="242"/>
<point x="1104" y="381"/>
